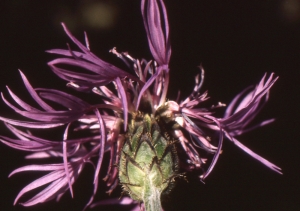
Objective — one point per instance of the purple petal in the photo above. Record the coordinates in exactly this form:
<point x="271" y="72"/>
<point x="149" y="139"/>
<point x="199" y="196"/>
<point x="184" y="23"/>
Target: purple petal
<point x="88" y="61"/>
<point x="158" y="38"/>
<point x="100" y="158"/>
<point x="101" y="71"/>
<point x="52" y="116"/>
<point x="146" y="86"/>
<point x="34" y="94"/>
<point x="256" y="156"/>
<point x="30" y="124"/>
<point x="21" y="103"/>
<point x="239" y="116"/>
<point x="65" y="159"/>
<point x="51" y="177"/>
<point x="250" y="108"/>
<point x="45" y="167"/>
<point x="233" y="104"/>
<point x="124" y="101"/>
<point x="66" y="100"/>
<point x="88" y="80"/>
<point x="47" y="194"/>
<point x="217" y="154"/>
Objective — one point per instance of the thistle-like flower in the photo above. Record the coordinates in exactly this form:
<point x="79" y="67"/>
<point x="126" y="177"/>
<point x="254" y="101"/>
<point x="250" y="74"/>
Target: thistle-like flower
<point x="150" y="140"/>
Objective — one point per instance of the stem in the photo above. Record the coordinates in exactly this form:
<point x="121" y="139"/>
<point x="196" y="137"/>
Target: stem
<point x="151" y="197"/>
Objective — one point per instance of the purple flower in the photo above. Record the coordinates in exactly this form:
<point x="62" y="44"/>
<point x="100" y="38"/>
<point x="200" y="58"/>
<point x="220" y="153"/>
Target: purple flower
<point x="191" y="125"/>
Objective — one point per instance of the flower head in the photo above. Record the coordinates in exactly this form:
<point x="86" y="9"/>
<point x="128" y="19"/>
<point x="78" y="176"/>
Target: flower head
<point x="134" y="123"/>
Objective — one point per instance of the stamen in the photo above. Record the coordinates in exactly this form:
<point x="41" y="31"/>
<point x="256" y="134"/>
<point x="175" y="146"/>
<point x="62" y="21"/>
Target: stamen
<point x="73" y="85"/>
<point x="87" y="43"/>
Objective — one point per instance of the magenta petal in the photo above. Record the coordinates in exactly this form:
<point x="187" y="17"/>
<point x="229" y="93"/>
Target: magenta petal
<point x="105" y="72"/>
<point x="124" y="101"/>
<point x="47" y="167"/>
<point x="65" y="159"/>
<point x="40" y="182"/>
<point x="256" y="156"/>
<point x="20" y="102"/>
<point x="30" y="124"/>
<point x="101" y="155"/>
<point x="158" y="38"/>
<point x="146" y="86"/>
<point x="238" y="116"/>
<point x="57" y="180"/>
<point x="62" y="98"/>
<point x="217" y="154"/>
<point x="47" y="194"/>
<point x="75" y="107"/>
<point x="241" y="112"/>
<point x="34" y="94"/>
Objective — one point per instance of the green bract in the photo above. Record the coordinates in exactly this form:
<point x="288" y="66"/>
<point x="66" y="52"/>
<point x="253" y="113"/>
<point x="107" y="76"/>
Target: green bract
<point x="148" y="162"/>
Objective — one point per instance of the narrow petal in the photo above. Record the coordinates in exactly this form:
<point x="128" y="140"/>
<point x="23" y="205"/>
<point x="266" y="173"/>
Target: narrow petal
<point x="146" y="86"/>
<point x="256" y="156"/>
<point x="87" y="60"/>
<point x="124" y="101"/>
<point x="65" y="159"/>
<point x="34" y="94"/>
<point x="158" y="38"/>
<point x="100" y="158"/>
<point x="218" y="152"/>
<point x="46" y="167"/>
<point x="62" y="98"/>
<point x="49" y="116"/>
<point x="48" y="193"/>
<point x="20" y="102"/>
<point x="40" y="182"/>
<point x="30" y="124"/>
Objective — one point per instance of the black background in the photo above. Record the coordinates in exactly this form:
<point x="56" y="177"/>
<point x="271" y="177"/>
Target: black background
<point x="236" y="41"/>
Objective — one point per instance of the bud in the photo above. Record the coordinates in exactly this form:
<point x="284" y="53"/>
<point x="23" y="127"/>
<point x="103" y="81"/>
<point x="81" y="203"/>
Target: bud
<point x="148" y="162"/>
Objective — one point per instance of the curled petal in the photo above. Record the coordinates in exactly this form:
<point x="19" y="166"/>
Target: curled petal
<point x="34" y="95"/>
<point x="57" y="180"/>
<point x="64" y="99"/>
<point x="238" y="116"/>
<point x="147" y="85"/>
<point x="104" y="72"/>
<point x="100" y="158"/>
<point x="47" y="116"/>
<point x="241" y="111"/>
<point x="217" y="154"/>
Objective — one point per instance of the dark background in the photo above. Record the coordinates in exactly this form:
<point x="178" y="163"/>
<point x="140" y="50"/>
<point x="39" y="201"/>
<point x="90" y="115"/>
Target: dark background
<point x="236" y="41"/>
